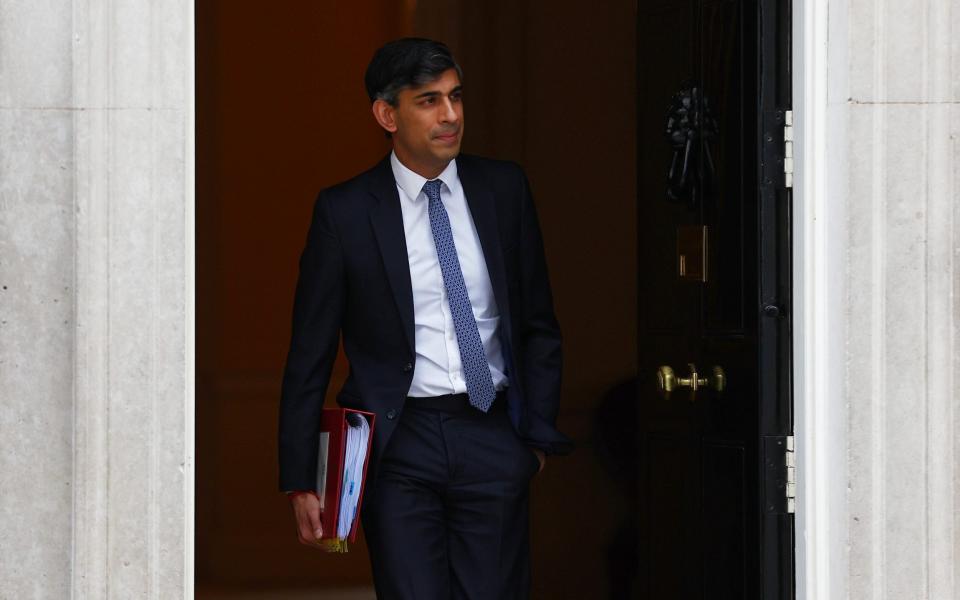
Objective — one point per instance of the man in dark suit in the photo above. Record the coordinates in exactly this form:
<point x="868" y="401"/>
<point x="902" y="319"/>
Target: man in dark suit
<point x="431" y="266"/>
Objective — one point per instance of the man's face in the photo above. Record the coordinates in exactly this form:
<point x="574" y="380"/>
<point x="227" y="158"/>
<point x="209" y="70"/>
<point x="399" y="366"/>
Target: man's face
<point x="427" y="123"/>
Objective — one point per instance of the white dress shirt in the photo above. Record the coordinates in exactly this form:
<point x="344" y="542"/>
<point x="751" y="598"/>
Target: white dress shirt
<point x="438" y="368"/>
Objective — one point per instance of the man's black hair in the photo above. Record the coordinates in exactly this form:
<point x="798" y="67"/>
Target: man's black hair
<point x="405" y="63"/>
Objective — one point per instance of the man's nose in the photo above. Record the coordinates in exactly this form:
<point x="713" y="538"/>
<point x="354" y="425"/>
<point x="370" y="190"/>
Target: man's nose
<point x="449" y="113"/>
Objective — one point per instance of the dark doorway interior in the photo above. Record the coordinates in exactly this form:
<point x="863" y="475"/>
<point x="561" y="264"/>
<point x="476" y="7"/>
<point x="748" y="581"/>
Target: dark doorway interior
<point x="575" y="92"/>
<point x="282" y="113"/>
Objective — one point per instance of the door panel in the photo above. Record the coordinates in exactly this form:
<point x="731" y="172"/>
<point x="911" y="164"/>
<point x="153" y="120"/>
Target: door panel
<point x="725" y="510"/>
<point x="705" y="69"/>
<point x="672" y="499"/>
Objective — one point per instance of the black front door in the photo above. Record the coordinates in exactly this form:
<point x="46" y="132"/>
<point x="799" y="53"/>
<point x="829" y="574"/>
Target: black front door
<point x="713" y="394"/>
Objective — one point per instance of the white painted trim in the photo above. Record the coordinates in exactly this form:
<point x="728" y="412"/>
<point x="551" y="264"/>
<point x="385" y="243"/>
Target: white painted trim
<point x="818" y="289"/>
<point x="190" y="313"/>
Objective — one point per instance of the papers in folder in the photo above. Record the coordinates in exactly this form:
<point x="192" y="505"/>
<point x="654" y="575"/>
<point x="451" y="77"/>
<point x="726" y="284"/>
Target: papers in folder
<point x="358" y="432"/>
<point x="345" y="437"/>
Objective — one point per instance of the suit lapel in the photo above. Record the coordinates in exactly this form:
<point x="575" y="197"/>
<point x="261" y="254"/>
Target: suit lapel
<point x="484" y="212"/>
<point x="387" y="221"/>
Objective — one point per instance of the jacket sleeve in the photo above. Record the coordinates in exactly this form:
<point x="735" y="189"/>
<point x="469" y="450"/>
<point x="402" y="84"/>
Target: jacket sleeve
<point x="315" y="334"/>
<point x="541" y="357"/>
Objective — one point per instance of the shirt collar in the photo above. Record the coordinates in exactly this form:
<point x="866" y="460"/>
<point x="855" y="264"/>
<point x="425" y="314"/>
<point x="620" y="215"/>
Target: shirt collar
<point x="412" y="183"/>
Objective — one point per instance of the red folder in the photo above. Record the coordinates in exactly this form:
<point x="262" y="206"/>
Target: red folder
<point x="333" y="440"/>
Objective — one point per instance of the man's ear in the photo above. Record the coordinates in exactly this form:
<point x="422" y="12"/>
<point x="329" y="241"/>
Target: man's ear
<point x="385" y="115"/>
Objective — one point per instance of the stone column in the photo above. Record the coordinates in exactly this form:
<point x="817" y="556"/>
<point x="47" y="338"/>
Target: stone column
<point x="37" y="302"/>
<point x="878" y="300"/>
<point x="96" y="268"/>
<point x="902" y="306"/>
<point x="900" y="101"/>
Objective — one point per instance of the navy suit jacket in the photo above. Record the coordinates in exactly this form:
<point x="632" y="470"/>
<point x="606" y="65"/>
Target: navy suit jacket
<point x="354" y="281"/>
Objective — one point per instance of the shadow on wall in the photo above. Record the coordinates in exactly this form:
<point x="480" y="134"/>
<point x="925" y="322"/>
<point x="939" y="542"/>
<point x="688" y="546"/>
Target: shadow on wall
<point x="617" y="448"/>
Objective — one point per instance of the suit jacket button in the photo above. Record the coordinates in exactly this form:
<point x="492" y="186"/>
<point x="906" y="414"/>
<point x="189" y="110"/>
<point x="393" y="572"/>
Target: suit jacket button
<point x="391" y="413"/>
<point x="407" y="368"/>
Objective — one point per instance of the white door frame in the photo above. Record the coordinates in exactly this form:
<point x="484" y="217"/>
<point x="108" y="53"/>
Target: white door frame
<point x="818" y="292"/>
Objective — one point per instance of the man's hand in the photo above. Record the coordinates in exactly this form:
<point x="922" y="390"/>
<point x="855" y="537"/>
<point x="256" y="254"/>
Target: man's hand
<point x="541" y="456"/>
<point x="306" y="512"/>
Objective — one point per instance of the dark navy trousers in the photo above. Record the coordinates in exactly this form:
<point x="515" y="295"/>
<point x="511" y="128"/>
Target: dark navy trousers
<point x="449" y="518"/>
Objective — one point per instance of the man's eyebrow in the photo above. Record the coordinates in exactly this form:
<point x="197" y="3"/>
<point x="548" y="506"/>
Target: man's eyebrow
<point x="433" y="93"/>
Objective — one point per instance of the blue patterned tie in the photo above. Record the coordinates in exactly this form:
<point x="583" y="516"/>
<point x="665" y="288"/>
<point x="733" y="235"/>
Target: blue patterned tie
<point x="475" y="368"/>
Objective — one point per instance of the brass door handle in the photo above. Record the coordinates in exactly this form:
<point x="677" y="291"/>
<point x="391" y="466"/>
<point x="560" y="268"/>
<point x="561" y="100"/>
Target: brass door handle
<point x="668" y="381"/>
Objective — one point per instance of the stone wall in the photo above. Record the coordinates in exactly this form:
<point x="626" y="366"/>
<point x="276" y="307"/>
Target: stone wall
<point x="901" y="305"/>
<point x="878" y="299"/>
<point x="96" y="267"/>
